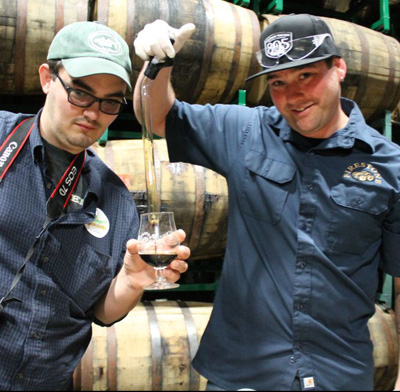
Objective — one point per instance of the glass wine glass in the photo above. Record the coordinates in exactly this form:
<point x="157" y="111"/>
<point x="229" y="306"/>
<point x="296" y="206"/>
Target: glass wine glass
<point x="158" y="244"/>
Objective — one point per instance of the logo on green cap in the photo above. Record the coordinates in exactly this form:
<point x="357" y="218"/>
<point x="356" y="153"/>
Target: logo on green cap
<point x="104" y="42"/>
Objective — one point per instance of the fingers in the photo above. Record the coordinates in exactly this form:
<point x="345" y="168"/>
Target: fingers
<point x="182" y="35"/>
<point x="181" y="235"/>
<point x="173" y="272"/>
<point x="155" y="40"/>
<point x="183" y="252"/>
<point x="179" y="266"/>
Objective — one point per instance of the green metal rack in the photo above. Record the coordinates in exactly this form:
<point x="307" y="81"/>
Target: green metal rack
<point x="277" y="7"/>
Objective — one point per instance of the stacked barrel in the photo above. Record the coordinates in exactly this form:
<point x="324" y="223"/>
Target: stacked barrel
<point x="213" y="65"/>
<point x="210" y="68"/>
<point x="152" y="348"/>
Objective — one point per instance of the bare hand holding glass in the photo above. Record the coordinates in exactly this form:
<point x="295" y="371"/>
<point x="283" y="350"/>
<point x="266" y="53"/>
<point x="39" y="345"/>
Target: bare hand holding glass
<point x="158" y="245"/>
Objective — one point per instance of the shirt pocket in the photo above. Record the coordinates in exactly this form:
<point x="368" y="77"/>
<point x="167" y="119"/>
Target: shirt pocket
<point x="356" y="217"/>
<point x="84" y="278"/>
<point x="266" y="187"/>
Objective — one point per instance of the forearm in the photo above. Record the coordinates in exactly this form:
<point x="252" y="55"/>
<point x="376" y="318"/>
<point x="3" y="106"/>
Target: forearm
<point x="162" y="97"/>
<point x="121" y="297"/>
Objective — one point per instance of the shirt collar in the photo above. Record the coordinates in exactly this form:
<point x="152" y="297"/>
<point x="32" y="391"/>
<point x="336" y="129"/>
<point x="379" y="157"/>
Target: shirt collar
<point x="37" y="152"/>
<point x="35" y="141"/>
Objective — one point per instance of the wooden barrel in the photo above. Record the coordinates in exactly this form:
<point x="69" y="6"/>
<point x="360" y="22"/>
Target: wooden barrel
<point x="382" y="327"/>
<point x="215" y="62"/>
<point x="371" y="12"/>
<point x="336" y="5"/>
<point x="27" y="28"/>
<point x="361" y="12"/>
<point x="373" y="67"/>
<point x="198" y="196"/>
<point x="150" y="350"/>
<point x="396" y="113"/>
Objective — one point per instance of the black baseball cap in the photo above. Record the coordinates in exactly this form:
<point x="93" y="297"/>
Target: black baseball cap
<point x="294" y="40"/>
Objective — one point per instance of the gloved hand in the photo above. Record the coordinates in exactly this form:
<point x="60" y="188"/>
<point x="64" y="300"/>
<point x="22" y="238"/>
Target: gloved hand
<point x="155" y="40"/>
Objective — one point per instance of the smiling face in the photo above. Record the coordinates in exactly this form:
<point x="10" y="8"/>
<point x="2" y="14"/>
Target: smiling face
<point x="309" y="97"/>
<point x="70" y="127"/>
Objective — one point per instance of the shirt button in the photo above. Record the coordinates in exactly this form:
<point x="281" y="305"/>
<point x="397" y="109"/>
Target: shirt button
<point x="292" y="359"/>
<point x="43" y="292"/>
<point x="302" y="265"/>
<point x="46" y="259"/>
<point x="299" y="306"/>
<point x="20" y="376"/>
<point x="310" y="187"/>
<point x="49" y="185"/>
<point x="35" y="335"/>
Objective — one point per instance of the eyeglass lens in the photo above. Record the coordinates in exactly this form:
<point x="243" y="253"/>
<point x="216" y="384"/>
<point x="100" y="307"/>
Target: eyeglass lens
<point x="82" y="99"/>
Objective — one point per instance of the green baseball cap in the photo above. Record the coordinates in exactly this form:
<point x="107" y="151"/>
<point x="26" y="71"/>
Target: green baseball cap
<point x="89" y="48"/>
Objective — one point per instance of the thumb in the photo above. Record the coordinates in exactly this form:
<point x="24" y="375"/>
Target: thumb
<point x="132" y="247"/>
<point x="182" y="35"/>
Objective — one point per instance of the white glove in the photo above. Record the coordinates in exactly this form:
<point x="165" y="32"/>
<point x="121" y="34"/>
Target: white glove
<point x="154" y="40"/>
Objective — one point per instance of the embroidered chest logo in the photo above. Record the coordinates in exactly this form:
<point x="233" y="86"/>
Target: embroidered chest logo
<point x="363" y="172"/>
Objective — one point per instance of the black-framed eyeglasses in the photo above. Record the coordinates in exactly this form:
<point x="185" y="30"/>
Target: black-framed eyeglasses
<point x="84" y="100"/>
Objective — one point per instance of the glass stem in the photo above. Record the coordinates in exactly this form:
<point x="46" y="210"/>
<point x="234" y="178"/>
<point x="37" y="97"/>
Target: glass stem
<point x="160" y="275"/>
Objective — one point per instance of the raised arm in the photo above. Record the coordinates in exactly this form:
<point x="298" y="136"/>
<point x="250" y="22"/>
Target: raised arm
<point x="155" y="41"/>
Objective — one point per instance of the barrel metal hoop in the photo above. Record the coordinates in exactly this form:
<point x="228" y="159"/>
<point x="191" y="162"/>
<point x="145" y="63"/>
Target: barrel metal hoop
<point x="87" y="369"/>
<point x="199" y="214"/>
<point x="391" y="98"/>
<point x="388" y="335"/>
<point x="233" y="71"/>
<point x="156" y="347"/>
<point x="112" y="359"/>
<point x="193" y="342"/>
<point x="365" y="63"/>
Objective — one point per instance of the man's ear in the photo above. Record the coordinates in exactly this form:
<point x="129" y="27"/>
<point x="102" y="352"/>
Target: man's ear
<point x="45" y="77"/>
<point x="341" y="67"/>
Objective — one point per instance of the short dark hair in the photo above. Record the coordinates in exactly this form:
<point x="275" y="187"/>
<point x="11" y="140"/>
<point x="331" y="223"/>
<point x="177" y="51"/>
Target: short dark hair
<point x="54" y="66"/>
<point x="329" y="62"/>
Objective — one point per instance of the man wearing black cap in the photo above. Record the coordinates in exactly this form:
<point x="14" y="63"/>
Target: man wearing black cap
<point x="68" y="257"/>
<point x="314" y="210"/>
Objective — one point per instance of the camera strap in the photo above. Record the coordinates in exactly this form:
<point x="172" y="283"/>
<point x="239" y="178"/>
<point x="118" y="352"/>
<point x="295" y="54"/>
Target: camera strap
<point x="57" y="201"/>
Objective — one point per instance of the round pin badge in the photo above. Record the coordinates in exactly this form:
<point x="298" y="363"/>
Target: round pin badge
<point x="100" y="226"/>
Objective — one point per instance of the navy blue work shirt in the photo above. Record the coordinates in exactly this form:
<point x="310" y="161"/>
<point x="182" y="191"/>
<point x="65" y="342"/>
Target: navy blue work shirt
<point x="43" y="338"/>
<point x="309" y="226"/>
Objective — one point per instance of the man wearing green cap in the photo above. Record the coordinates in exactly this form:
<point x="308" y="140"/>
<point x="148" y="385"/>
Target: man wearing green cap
<point x="314" y="212"/>
<point x="68" y="254"/>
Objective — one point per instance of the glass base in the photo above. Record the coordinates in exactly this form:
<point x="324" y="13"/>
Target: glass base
<point x="163" y="285"/>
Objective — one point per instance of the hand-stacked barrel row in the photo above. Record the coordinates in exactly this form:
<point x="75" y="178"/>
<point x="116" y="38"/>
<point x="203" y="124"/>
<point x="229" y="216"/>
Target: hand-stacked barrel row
<point x="214" y="64"/>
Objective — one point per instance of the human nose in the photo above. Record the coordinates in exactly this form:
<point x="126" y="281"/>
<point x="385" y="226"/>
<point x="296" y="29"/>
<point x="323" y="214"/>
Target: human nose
<point x="93" y="110"/>
<point x="294" y="92"/>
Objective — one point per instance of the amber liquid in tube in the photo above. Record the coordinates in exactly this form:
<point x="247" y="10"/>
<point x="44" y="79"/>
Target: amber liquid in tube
<point x="153" y="197"/>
